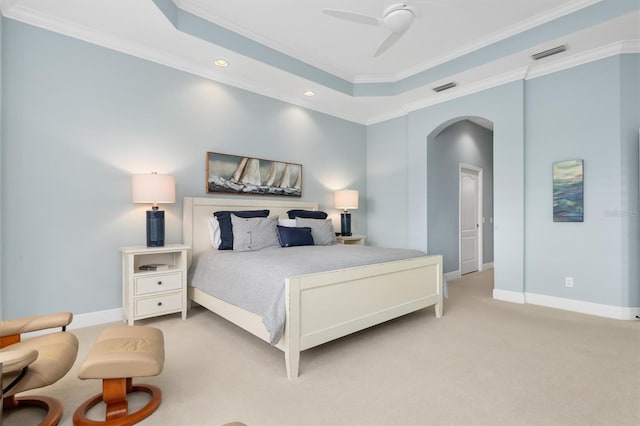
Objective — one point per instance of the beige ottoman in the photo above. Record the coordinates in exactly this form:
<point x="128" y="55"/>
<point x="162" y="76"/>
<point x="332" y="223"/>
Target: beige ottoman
<point x="118" y="355"/>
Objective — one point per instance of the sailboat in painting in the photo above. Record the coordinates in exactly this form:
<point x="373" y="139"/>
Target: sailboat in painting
<point x="253" y="176"/>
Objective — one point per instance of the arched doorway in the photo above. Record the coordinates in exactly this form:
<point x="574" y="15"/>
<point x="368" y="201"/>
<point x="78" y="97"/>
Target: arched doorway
<point x="463" y="145"/>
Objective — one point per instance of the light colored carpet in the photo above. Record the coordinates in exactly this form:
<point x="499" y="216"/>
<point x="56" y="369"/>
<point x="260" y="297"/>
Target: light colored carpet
<point x="485" y="362"/>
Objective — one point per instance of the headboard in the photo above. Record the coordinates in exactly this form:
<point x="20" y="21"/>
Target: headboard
<point x="196" y="211"/>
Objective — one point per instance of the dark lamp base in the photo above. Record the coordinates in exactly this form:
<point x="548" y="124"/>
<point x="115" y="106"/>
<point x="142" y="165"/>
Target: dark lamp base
<point x="345" y="224"/>
<point x="155" y="228"/>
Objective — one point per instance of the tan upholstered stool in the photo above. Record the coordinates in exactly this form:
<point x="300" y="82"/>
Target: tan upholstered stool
<point x="118" y="355"/>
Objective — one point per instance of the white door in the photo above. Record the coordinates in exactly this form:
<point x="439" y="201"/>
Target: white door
<point x="469" y="220"/>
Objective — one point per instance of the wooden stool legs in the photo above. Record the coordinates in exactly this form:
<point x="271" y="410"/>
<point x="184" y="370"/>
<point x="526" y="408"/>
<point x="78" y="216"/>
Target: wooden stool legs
<point x="52" y="405"/>
<point x="114" y="394"/>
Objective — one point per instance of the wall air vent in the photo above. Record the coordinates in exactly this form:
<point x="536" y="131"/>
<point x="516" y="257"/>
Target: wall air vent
<point x="549" y="52"/>
<point x="444" y="87"/>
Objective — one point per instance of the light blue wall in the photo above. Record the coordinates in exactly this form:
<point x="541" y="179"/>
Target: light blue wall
<point x="83" y="119"/>
<point x="590" y="112"/>
<point x="462" y="142"/>
<point x="503" y="106"/>
<point x="386" y="183"/>
<point x="630" y="210"/>
<point x="576" y="114"/>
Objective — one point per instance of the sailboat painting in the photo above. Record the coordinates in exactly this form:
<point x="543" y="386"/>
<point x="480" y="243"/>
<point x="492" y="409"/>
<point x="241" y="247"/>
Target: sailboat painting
<point x="568" y="191"/>
<point x="255" y="176"/>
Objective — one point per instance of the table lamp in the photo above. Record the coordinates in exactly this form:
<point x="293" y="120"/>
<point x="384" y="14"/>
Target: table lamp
<point x="345" y="199"/>
<point x="154" y="188"/>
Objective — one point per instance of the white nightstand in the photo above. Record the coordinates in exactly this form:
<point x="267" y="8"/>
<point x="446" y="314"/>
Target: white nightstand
<point x="148" y="294"/>
<point x="353" y="239"/>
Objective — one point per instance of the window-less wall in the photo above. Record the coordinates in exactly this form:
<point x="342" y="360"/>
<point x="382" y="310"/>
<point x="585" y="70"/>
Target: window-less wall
<point x="83" y="119"/>
<point x="386" y="183"/>
<point x="591" y="112"/>
<point x="461" y="142"/>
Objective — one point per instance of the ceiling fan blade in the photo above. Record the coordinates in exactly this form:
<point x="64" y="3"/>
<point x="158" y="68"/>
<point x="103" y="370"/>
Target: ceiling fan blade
<point x="353" y="17"/>
<point x="387" y="43"/>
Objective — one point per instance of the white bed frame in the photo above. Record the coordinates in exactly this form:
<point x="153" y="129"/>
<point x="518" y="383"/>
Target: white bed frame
<point x="368" y="295"/>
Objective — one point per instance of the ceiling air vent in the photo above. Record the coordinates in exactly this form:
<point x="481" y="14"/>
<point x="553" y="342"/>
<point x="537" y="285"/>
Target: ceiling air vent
<point x="549" y="52"/>
<point x="444" y="87"/>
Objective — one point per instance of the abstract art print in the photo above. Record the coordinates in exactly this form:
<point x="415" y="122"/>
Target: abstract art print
<point x="252" y="176"/>
<point x="568" y="191"/>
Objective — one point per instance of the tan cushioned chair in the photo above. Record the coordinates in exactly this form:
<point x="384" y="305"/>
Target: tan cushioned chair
<point x="36" y="362"/>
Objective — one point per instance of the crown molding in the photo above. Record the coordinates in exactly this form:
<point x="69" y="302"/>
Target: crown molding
<point x="231" y="26"/>
<point x="89" y="35"/>
<point x="495" y="37"/>
<point x="612" y="49"/>
<point x="525" y="73"/>
<point x="12" y="9"/>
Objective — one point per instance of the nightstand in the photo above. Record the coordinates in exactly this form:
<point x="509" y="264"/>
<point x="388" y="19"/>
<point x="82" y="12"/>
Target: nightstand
<point x="353" y="239"/>
<point x="148" y="294"/>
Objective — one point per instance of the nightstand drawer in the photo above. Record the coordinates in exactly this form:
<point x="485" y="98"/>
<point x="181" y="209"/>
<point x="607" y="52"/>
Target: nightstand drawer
<point x="158" y="283"/>
<point x="158" y="305"/>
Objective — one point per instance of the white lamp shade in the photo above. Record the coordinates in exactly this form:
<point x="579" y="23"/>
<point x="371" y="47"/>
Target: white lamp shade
<point x="153" y="188"/>
<point x="345" y="199"/>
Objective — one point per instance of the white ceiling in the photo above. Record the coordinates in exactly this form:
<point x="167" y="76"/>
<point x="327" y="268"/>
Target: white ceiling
<point x="445" y="30"/>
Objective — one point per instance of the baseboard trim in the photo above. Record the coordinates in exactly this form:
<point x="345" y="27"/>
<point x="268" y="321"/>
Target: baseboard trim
<point x="96" y="318"/>
<point x="486" y="266"/>
<point x="598" y="309"/>
<point x="572" y="305"/>
<point x="453" y="275"/>
<point x="85" y="320"/>
<point x="508" y="296"/>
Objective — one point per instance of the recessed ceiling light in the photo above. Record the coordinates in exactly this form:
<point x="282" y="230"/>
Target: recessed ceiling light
<point x="221" y="62"/>
<point x="309" y="93"/>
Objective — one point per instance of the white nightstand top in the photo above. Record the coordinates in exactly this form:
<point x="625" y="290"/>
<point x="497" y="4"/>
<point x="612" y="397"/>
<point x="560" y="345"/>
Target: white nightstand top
<point x="161" y="249"/>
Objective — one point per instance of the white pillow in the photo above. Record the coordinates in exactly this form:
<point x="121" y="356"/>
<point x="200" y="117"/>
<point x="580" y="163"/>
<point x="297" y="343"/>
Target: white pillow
<point x="289" y="223"/>
<point x="214" y="232"/>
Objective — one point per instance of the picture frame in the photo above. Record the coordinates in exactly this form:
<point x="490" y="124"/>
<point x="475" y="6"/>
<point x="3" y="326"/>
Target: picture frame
<point x="568" y="191"/>
<point x="235" y="174"/>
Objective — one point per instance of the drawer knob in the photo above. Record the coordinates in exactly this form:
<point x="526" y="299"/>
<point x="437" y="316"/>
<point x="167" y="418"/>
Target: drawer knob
<point x="159" y="282"/>
<point x="159" y="303"/>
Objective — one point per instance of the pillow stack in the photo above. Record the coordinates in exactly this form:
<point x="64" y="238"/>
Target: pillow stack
<point x="250" y="230"/>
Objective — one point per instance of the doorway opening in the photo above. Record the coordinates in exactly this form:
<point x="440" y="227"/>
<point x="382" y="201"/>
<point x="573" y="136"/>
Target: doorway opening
<point x="460" y="195"/>
<point x="470" y="213"/>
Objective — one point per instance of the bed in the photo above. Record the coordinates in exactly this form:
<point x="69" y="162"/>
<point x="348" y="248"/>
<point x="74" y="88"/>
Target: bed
<point x="368" y="295"/>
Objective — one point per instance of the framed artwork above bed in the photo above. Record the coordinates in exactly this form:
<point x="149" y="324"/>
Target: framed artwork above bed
<point x="252" y="176"/>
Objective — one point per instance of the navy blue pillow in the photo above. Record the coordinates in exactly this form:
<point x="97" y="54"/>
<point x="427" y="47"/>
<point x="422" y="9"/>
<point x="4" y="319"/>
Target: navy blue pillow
<point x="307" y="214"/>
<point x="226" y="229"/>
<point x="291" y="237"/>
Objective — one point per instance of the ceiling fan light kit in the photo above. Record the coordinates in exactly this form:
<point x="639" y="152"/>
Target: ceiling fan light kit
<point x="398" y="18"/>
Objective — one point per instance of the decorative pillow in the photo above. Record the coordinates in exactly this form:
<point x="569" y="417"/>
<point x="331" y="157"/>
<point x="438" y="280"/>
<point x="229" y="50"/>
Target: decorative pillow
<point x="226" y="228"/>
<point x="214" y="232"/>
<point x="254" y="233"/>
<point x="321" y="230"/>
<point x="289" y="223"/>
<point x="291" y="237"/>
<point x="307" y="214"/>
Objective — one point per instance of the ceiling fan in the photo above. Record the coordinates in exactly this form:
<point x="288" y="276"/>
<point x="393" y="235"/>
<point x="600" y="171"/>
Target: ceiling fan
<point x="396" y="18"/>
